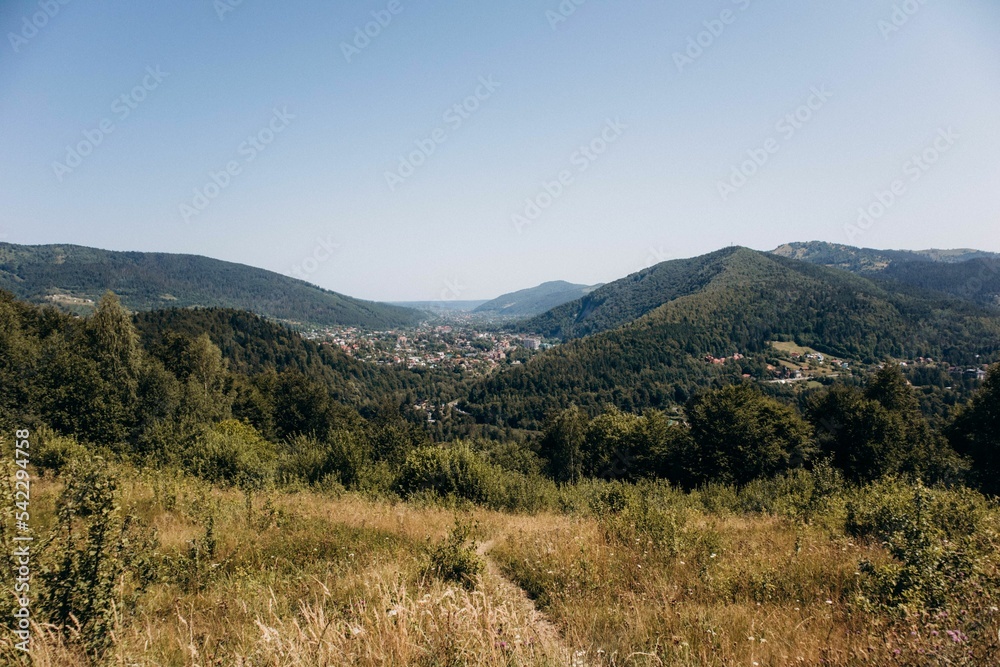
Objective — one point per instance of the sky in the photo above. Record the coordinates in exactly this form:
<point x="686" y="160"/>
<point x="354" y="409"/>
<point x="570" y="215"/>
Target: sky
<point x="416" y="150"/>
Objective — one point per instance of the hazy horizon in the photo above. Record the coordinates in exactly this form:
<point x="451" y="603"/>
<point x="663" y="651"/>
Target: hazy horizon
<point x="409" y="163"/>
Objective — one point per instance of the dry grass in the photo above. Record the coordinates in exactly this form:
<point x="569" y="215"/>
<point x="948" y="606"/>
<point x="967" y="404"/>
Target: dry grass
<point x="307" y="580"/>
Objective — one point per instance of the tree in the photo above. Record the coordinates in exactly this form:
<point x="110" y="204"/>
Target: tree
<point x="880" y="430"/>
<point x="741" y="435"/>
<point x="114" y="345"/>
<point x="863" y="438"/>
<point x="976" y="433"/>
<point x="562" y="445"/>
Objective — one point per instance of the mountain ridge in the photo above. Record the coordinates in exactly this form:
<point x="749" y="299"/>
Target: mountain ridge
<point x="74" y="277"/>
<point x="643" y="341"/>
<point x="535" y="300"/>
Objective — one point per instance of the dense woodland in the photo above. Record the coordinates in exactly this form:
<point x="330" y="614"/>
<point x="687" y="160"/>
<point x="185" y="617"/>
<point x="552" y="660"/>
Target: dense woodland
<point x="230" y="396"/>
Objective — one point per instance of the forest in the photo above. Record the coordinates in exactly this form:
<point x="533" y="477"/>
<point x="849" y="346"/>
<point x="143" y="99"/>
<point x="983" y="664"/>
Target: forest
<point x="230" y="406"/>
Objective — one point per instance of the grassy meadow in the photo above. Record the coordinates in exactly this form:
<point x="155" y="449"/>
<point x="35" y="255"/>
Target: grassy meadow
<point x="782" y="572"/>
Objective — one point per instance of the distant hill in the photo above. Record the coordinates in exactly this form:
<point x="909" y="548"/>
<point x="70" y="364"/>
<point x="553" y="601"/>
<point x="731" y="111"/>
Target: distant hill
<point x="74" y="277"/>
<point x="968" y="274"/>
<point x="642" y="341"/>
<point x="535" y="300"/>
<point x="441" y="306"/>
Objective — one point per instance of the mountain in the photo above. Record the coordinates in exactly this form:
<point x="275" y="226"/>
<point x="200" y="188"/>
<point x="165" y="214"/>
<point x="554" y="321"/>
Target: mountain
<point x="441" y="307"/>
<point x="973" y="275"/>
<point x="870" y="260"/>
<point x="622" y="301"/>
<point x="74" y="278"/>
<point x="642" y="341"/>
<point x="535" y="300"/>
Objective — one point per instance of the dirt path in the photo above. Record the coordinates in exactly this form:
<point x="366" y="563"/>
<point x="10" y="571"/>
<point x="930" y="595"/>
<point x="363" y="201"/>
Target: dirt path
<point x="547" y="633"/>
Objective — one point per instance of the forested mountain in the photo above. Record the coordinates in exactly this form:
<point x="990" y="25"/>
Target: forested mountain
<point x="625" y="300"/>
<point x="658" y="325"/>
<point x="74" y="278"/>
<point x="973" y="275"/>
<point x="535" y="300"/>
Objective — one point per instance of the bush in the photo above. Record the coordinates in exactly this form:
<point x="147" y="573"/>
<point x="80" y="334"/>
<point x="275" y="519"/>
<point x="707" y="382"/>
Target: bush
<point x="232" y="452"/>
<point x="448" y="471"/>
<point x="54" y="452"/>
<point x="455" y="558"/>
<point x="938" y="544"/>
<point x="97" y="561"/>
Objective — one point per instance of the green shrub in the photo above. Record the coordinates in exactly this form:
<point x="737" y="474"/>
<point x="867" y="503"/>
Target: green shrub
<point x="97" y="561"/>
<point x="54" y="452"/>
<point x="233" y="452"/>
<point x="448" y="471"/>
<point x="938" y="540"/>
<point x="455" y="558"/>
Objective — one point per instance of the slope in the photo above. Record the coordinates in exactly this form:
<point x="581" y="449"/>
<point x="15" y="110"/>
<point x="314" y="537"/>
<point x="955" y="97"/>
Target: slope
<point x="973" y="275"/>
<point x="74" y="277"/>
<point x="732" y="301"/>
<point x="535" y="300"/>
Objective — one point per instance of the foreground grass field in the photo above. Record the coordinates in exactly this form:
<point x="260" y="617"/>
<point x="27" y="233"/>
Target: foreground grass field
<point x="613" y="575"/>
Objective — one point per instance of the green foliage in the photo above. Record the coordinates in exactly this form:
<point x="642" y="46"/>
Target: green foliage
<point x="149" y="281"/>
<point x="455" y="558"/>
<point x="880" y="431"/>
<point x="97" y="562"/>
<point x="640" y="342"/>
<point x="53" y="452"/>
<point x="647" y="515"/>
<point x="976" y="433"/>
<point x="562" y="445"/>
<point x="741" y="435"/>
<point x="448" y="471"/>
<point x="937" y="541"/>
<point x="232" y="452"/>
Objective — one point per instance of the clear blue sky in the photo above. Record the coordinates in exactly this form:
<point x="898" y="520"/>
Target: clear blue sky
<point x="447" y="230"/>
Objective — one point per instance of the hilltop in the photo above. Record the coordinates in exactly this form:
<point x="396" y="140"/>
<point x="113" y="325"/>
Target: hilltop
<point x="74" y="277"/>
<point x="973" y="275"/>
<point x="535" y="300"/>
<point x="642" y="341"/>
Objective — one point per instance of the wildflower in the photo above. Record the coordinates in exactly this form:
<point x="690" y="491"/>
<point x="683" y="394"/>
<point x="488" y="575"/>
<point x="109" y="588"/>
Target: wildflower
<point x="712" y="556"/>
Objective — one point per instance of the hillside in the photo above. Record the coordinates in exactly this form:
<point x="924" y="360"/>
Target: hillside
<point x="973" y="275"/>
<point x="655" y="328"/>
<point x="535" y="300"/>
<point x="74" y="278"/>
